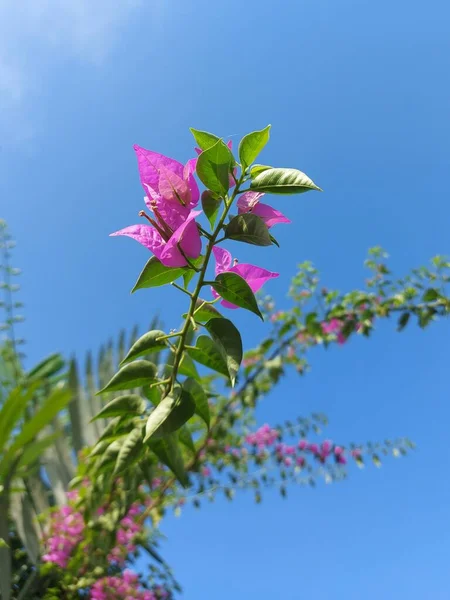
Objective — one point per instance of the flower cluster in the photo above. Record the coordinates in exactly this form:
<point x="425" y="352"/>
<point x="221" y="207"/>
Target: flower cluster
<point x="64" y="534"/>
<point x="66" y="531"/>
<point x="127" y="586"/>
<point x="126" y="536"/>
<point x="173" y="234"/>
<point x="266" y="438"/>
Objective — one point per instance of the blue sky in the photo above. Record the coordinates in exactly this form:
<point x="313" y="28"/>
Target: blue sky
<point x="357" y="94"/>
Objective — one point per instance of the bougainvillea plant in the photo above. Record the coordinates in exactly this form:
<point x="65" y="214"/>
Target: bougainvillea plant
<point x="183" y="429"/>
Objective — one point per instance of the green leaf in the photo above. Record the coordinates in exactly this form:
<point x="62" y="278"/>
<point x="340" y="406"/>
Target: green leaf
<point x="348" y="328"/>
<point x="51" y="406"/>
<point x="198" y="395"/>
<point x="248" y="228"/>
<point x="135" y="374"/>
<point x="146" y="344"/>
<point x="170" y="414"/>
<point x="214" y="168"/>
<point x="187" y="367"/>
<point x="257" y="169"/>
<point x="211" y="206"/>
<point x="13" y="409"/>
<point x="34" y="450"/>
<point x="129" y="404"/>
<point x="168" y="452"/>
<point x="5" y="551"/>
<point x="251" y="145"/>
<point x="204" y="139"/>
<point x="283" y="181"/>
<point x="430" y="295"/>
<point x="185" y="437"/>
<point x="274" y="240"/>
<point x="403" y="321"/>
<point x="130" y="450"/>
<point x="204" y="312"/>
<point x="228" y="340"/>
<point x="235" y="289"/>
<point x="152" y="393"/>
<point x="155" y="274"/>
<point x="206" y="353"/>
<point x="48" y="367"/>
<point x="187" y="277"/>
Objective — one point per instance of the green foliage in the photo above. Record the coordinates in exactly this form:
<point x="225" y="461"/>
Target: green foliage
<point x="148" y="343"/>
<point x="229" y="342"/>
<point x="204" y="139"/>
<point x="214" y="168"/>
<point x="206" y="353"/>
<point x="155" y="274"/>
<point x="282" y="181"/>
<point x="235" y="289"/>
<point x="132" y="375"/>
<point x="248" y="228"/>
<point x="129" y="404"/>
<point x="211" y="206"/>
<point x="251" y="145"/>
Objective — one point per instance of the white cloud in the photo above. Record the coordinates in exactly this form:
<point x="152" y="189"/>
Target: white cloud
<point x="31" y="31"/>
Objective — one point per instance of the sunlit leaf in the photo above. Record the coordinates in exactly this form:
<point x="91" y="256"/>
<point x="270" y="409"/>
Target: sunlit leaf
<point x="135" y="374"/>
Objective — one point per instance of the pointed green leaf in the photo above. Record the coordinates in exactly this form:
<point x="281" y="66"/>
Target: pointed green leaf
<point x="200" y="399"/>
<point x="235" y="289"/>
<point x="146" y="344"/>
<point x="187" y="278"/>
<point x="257" y="169"/>
<point x="75" y="408"/>
<point x="135" y="374"/>
<point x="204" y="139"/>
<point x="283" y="181"/>
<point x="211" y="206"/>
<point x="430" y="295"/>
<point x="52" y="405"/>
<point x="34" y="450"/>
<point x="170" y="414"/>
<point x="13" y="409"/>
<point x="130" y="450"/>
<point x="206" y="353"/>
<point x="168" y="452"/>
<point x="5" y="551"/>
<point x="214" y="168"/>
<point x="274" y="240"/>
<point x="228" y="340"/>
<point x="187" y="367"/>
<point x="48" y="367"/>
<point x="403" y="321"/>
<point x="185" y="437"/>
<point x="155" y="274"/>
<point x="204" y="311"/>
<point x="152" y="393"/>
<point x="129" y="404"/>
<point x="248" y="228"/>
<point x="251" y="145"/>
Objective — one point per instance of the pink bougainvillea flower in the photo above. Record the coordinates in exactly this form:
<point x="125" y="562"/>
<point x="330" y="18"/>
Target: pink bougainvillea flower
<point x="250" y="203"/>
<point x="166" y="180"/>
<point x="256" y="277"/>
<point x="170" y="237"/>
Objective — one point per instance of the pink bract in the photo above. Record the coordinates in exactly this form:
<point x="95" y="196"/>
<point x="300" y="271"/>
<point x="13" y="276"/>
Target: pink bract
<point x="185" y="234"/>
<point x="256" y="277"/>
<point x="250" y="203"/>
<point x="167" y="178"/>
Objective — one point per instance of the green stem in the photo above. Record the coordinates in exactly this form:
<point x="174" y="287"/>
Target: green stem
<point x="200" y="282"/>
<point x="175" y="285"/>
<point x="170" y="335"/>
